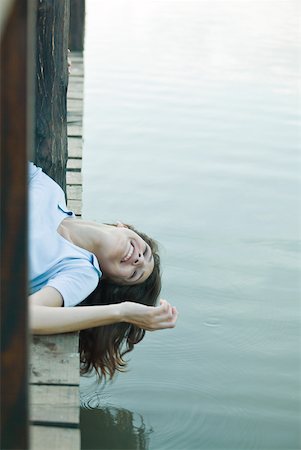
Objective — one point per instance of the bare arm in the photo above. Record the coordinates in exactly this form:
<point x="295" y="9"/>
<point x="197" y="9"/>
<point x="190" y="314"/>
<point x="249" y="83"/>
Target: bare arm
<point x="48" y="317"/>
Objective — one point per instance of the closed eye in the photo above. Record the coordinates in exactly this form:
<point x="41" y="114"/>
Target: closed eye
<point x="146" y="251"/>
<point x="132" y="276"/>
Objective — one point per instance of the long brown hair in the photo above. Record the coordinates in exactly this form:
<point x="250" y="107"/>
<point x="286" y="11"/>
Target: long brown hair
<point x="103" y="348"/>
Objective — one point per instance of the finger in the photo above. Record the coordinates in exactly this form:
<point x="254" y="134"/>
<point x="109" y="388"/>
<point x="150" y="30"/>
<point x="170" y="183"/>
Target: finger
<point x="164" y="321"/>
<point x="165" y="325"/>
<point x="166" y="316"/>
<point x="163" y="301"/>
<point x="166" y="309"/>
<point x="173" y="315"/>
<point x="164" y="305"/>
<point x="162" y="308"/>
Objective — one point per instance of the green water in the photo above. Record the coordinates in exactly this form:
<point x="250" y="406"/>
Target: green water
<point x="192" y="133"/>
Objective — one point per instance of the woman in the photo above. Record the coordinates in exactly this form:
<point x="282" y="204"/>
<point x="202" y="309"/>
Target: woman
<point x="110" y="271"/>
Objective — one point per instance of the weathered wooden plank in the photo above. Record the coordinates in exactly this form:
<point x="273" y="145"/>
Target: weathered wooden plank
<point x="75" y="121"/>
<point x="54" y="344"/>
<point x="75" y="142"/>
<point x="77" y="54"/>
<point x="74" y="192"/>
<point x="56" y="368"/>
<point x="54" y="359"/>
<point x="75" y="61"/>
<point x="74" y="163"/>
<point x="76" y="72"/>
<point x="75" y="206"/>
<point x="76" y="104"/>
<point x="77" y="81"/>
<point x="75" y="151"/>
<point x="77" y="113"/>
<point x="74" y="178"/>
<point x="77" y="66"/>
<point x="75" y="110"/>
<point x="54" y="438"/>
<point x="54" y="403"/>
<point x="75" y="130"/>
<point x="76" y="57"/>
<point x="77" y="84"/>
<point x="76" y="117"/>
<point x="59" y="343"/>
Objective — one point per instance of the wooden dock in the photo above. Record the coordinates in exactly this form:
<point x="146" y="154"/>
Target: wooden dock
<point x="54" y="371"/>
<point x="75" y="133"/>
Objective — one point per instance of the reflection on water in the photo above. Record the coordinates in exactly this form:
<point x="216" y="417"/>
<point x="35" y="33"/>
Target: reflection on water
<point x="113" y="428"/>
<point x="192" y="133"/>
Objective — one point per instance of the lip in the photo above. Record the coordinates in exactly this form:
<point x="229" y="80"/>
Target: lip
<point x="135" y="254"/>
<point x="130" y="246"/>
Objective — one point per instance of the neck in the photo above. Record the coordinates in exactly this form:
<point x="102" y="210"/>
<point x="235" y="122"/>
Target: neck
<point x="84" y="234"/>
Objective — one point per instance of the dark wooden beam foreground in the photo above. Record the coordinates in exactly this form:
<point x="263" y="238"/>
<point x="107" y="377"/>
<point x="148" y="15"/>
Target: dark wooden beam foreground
<point x="16" y="59"/>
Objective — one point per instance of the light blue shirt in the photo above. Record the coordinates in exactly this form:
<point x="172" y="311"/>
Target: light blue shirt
<point x="53" y="260"/>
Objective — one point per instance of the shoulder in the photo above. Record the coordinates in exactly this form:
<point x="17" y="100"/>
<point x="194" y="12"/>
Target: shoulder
<point x="75" y="282"/>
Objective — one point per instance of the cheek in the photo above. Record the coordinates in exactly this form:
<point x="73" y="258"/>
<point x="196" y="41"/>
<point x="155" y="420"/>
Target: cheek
<point x="113" y="269"/>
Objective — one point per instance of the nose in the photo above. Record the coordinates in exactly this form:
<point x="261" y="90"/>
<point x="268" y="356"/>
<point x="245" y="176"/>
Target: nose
<point x="139" y="260"/>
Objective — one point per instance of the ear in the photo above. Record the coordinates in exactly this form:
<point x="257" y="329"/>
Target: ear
<point x="120" y="224"/>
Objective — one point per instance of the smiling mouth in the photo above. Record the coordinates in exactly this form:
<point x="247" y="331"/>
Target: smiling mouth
<point x="129" y="253"/>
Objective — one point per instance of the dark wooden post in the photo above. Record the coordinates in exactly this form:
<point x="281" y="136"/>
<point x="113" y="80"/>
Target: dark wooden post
<point x="77" y="25"/>
<point x="16" y="137"/>
<point x="51" y="88"/>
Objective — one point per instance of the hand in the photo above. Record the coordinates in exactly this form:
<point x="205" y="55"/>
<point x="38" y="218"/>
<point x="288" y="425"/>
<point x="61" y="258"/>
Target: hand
<point x="150" y="318"/>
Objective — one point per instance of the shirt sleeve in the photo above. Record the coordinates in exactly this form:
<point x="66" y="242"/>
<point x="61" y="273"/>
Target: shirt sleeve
<point x="75" y="284"/>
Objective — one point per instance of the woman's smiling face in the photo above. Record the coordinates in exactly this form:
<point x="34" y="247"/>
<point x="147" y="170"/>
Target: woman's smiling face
<point x="127" y="259"/>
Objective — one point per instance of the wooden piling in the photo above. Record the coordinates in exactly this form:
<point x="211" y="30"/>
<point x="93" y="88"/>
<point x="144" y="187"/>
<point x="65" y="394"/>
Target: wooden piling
<point x="51" y="88"/>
